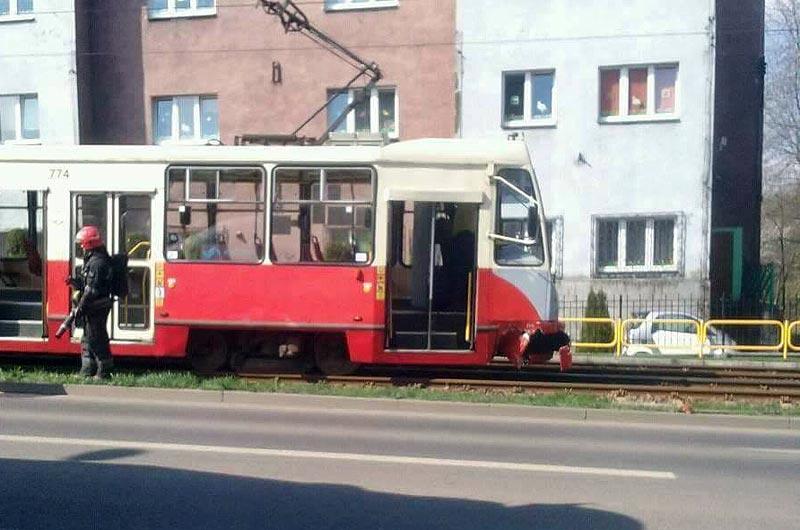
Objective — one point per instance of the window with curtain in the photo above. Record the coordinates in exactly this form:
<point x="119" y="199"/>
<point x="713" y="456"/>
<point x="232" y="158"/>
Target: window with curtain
<point x="636" y="93"/>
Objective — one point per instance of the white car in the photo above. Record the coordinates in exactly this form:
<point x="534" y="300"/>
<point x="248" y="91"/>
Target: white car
<point x="665" y="333"/>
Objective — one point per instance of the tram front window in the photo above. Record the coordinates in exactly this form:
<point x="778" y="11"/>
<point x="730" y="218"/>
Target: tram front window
<point x="517" y="222"/>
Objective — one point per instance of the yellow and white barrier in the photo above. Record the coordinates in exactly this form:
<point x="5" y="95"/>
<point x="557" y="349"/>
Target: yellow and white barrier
<point x="782" y="331"/>
<point x="611" y="346"/>
<point x="631" y="323"/>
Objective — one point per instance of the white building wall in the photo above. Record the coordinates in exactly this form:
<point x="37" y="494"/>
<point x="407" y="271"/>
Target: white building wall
<point x="635" y="168"/>
<point x="37" y="56"/>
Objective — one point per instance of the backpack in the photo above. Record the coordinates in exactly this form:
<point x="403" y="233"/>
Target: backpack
<point x="119" y="275"/>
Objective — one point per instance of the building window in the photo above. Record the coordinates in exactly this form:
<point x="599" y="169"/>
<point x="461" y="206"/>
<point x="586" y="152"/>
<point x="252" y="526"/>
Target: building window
<point x="322" y="215"/>
<point x="19" y="119"/>
<point x="181" y="8"/>
<point x="341" y="5"/>
<point x="638" y="93"/>
<point x="529" y="99"/>
<point x="637" y="244"/>
<point x="16" y="9"/>
<point x="185" y="119"/>
<point x="375" y="114"/>
<point x="215" y="214"/>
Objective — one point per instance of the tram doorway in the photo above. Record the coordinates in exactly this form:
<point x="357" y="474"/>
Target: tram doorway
<point x="22" y="264"/>
<point x="431" y="275"/>
<point x="124" y="221"/>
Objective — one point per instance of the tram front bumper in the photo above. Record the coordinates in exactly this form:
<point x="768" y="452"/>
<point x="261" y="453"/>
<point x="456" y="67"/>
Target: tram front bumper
<point x="536" y="346"/>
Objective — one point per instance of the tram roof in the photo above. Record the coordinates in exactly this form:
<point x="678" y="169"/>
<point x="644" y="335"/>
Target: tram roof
<point x="423" y="151"/>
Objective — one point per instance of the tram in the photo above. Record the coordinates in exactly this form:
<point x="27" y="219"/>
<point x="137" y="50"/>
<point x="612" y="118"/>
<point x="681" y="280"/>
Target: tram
<point x="422" y="252"/>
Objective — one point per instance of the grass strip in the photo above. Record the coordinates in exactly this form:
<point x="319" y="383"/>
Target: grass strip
<point x="180" y="379"/>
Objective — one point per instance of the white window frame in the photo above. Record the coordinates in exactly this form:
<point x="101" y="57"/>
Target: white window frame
<point x="527" y="104"/>
<point x="556" y="236"/>
<point x="14" y="15"/>
<point x="352" y="5"/>
<point x="175" y="137"/>
<point x="19" y="140"/>
<point x="649" y="267"/>
<point x="624" y="90"/>
<point x="374" y="111"/>
<point x="173" y="12"/>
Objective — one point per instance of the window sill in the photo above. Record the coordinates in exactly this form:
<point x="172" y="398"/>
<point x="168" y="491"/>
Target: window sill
<point x="385" y="4"/>
<point x="530" y="124"/>
<point x="33" y="141"/>
<point x="188" y="13"/>
<point x="197" y="141"/>
<point x="17" y="18"/>
<point x="636" y="271"/>
<point x="639" y="119"/>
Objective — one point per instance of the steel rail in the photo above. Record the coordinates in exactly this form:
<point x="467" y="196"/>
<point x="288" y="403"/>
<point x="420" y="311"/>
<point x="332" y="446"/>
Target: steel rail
<point x="683" y="386"/>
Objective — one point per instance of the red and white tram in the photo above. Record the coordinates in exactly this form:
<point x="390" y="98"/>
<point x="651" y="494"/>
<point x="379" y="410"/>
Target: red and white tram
<point x="421" y="252"/>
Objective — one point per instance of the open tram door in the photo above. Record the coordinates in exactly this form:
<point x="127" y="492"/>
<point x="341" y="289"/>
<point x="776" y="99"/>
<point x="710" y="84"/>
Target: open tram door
<point x="432" y="270"/>
<point x="125" y="222"/>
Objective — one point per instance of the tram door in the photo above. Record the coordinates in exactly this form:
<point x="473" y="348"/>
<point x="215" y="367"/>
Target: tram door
<point x="431" y="275"/>
<point x="124" y="220"/>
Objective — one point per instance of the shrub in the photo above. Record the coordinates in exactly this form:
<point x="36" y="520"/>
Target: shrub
<point x="596" y="332"/>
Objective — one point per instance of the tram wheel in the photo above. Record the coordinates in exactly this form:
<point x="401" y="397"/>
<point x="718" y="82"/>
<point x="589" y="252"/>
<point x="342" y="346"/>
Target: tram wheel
<point x="208" y="352"/>
<point x="331" y="356"/>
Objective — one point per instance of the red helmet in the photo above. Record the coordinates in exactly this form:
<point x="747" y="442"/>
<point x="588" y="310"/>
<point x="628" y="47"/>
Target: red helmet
<point x="89" y="237"/>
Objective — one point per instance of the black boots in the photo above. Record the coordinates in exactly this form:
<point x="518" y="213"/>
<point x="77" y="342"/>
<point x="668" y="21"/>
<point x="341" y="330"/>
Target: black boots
<point x="100" y="370"/>
<point x="103" y="369"/>
<point x="88" y="367"/>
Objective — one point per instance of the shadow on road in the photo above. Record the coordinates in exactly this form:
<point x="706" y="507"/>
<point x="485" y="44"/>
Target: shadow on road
<point x="31" y="389"/>
<point x="80" y="494"/>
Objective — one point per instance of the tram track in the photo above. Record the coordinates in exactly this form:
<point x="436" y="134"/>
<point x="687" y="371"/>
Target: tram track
<point x="708" y="383"/>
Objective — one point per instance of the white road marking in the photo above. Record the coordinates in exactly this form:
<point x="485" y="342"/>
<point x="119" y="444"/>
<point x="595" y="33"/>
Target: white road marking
<point x="777" y="450"/>
<point x="352" y="457"/>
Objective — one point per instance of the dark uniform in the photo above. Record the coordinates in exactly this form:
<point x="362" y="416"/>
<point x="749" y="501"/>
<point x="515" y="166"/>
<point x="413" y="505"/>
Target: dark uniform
<point x="92" y="311"/>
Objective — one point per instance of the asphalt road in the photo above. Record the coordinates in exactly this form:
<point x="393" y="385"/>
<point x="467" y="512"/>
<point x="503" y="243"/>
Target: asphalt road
<point x="317" y="463"/>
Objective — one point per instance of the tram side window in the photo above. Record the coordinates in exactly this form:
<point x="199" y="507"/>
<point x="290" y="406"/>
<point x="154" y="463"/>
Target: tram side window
<point x="21" y="240"/>
<point x="322" y="215"/>
<point x="215" y="214"/>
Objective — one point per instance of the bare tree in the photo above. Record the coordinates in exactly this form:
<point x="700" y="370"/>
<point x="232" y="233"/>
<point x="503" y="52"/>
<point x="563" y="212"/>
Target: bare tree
<point x="781" y="204"/>
<point x="781" y="239"/>
<point x="782" y="101"/>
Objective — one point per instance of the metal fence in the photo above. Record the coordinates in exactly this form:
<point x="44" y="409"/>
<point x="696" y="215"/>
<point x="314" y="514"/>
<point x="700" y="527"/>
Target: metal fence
<point x="688" y="327"/>
<point x="634" y="307"/>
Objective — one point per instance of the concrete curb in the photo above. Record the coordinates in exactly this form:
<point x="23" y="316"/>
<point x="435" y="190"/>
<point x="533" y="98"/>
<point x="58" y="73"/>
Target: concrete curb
<point x="450" y="408"/>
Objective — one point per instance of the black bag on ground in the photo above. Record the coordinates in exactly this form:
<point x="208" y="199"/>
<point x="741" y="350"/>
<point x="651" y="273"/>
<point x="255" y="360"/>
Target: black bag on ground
<point x="119" y="275"/>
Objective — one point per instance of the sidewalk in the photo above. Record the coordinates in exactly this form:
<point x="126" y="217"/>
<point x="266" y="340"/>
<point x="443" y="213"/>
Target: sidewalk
<point x="269" y="400"/>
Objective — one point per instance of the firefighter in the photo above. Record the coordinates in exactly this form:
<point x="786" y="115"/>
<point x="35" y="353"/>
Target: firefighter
<point x="94" y="303"/>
